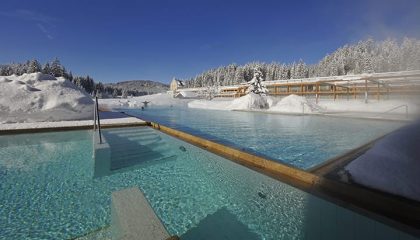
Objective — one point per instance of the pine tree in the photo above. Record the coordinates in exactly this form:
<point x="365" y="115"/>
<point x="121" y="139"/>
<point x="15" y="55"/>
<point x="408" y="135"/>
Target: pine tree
<point x="46" y="69"/>
<point x="33" y="66"/>
<point x="57" y="70"/>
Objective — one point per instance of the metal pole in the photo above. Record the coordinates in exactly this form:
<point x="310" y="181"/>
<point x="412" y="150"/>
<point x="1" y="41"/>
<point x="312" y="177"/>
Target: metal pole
<point x="94" y="117"/>
<point x="99" y="121"/>
<point x="366" y="92"/>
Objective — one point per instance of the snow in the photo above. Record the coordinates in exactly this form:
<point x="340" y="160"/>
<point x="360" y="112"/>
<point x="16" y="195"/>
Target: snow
<point x="392" y="164"/>
<point x="250" y="101"/>
<point x="372" y="106"/>
<point x="39" y="97"/>
<point x="295" y="104"/>
<point x="78" y="123"/>
<point x="159" y="99"/>
<point x="186" y="94"/>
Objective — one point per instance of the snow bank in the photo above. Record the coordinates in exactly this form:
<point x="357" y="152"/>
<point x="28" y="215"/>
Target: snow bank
<point x="294" y="104"/>
<point x="392" y="164"/>
<point x="39" y="97"/>
<point x="251" y="101"/>
<point x="371" y="106"/>
<point x="247" y="102"/>
<point x="159" y="99"/>
<point x="186" y="94"/>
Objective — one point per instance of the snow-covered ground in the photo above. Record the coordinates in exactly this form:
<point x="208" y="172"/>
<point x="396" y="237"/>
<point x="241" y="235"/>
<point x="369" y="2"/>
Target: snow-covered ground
<point x="77" y="123"/>
<point x="295" y="104"/>
<point x="37" y="97"/>
<point x="159" y="99"/>
<point x="372" y="106"/>
<point x="289" y="104"/>
<point x="248" y="102"/>
<point x="298" y="104"/>
<point x="392" y="164"/>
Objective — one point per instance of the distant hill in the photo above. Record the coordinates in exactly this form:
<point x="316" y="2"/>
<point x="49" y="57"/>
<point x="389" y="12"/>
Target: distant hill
<point x="137" y="87"/>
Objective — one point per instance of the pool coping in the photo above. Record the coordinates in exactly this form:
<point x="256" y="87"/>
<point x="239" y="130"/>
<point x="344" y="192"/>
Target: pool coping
<point x="68" y="128"/>
<point x="394" y="211"/>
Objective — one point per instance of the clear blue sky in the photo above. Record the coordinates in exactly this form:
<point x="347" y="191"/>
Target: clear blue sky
<point x="123" y="40"/>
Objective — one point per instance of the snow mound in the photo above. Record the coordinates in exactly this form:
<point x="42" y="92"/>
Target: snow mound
<point x="294" y="104"/>
<point x="250" y="101"/>
<point x="38" y="97"/>
<point x="392" y="164"/>
<point x="159" y="99"/>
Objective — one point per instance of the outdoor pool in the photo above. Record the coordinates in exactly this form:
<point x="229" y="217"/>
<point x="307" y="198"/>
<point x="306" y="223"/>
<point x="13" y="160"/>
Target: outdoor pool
<point x="49" y="192"/>
<point x="301" y="141"/>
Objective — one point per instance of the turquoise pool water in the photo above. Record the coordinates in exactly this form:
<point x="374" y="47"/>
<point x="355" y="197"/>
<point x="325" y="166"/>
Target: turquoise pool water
<point x="49" y="192"/>
<point x="302" y="141"/>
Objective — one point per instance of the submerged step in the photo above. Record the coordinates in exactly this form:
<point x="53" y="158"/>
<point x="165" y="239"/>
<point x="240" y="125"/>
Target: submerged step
<point x="131" y="130"/>
<point x="121" y="141"/>
<point x="129" y="134"/>
<point x="130" y="163"/>
<point x="138" y="149"/>
<point x="133" y="217"/>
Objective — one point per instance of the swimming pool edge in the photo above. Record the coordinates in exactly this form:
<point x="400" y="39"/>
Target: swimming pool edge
<point x="375" y="205"/>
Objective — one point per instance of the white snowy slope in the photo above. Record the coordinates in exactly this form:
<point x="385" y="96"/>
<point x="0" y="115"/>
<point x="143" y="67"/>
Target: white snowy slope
<point x="38" y="97"/>
<point x="392" y="164"/>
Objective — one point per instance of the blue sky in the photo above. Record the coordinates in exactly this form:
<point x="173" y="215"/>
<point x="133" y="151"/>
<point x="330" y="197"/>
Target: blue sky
<point x="157" y="40"/>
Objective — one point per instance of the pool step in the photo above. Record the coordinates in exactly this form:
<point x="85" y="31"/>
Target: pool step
<point x="129" y="163"/>
<point x="133" y="218"/>
<point x="130" y="148"/>
<point x="140" y="130"/>
<point x="141" y="149"/>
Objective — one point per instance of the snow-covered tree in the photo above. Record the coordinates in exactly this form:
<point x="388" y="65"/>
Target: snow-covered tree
<point x="362" y="57"/>
<point x="256" y="84"/>
<point x="124" y="93"/>
<point x="34" y="66"/>
<point x="46" y="69"/>
<point x="57" y="70"/>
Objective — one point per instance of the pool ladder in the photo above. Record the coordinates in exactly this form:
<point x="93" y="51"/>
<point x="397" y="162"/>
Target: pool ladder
<point x="97" y="119"/>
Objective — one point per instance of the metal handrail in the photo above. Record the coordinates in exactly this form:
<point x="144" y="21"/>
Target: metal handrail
<point x="394" y="108"/>
<point x="96" y="118"/>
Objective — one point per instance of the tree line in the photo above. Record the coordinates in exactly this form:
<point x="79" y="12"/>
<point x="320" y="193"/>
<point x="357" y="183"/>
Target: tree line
<point x="365" y="56"/>
<point x="362" y="57"/>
